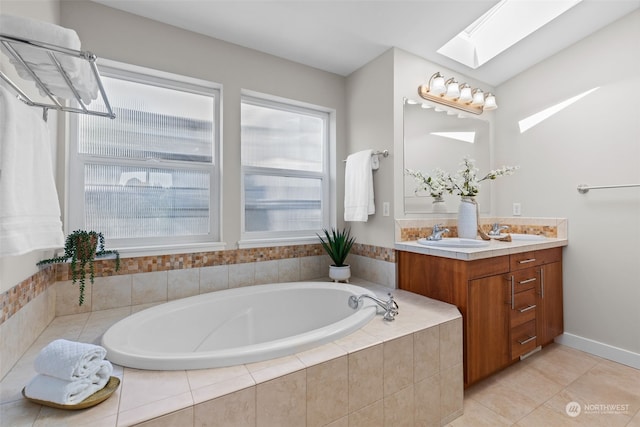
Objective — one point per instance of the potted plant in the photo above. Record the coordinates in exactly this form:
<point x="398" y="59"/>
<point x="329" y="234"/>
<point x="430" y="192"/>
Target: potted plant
<point x="82" y="248"/>
<point x="338" y="243"/>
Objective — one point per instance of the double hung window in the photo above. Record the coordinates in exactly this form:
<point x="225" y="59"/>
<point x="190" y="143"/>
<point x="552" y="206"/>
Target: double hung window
<point x="150" y="177"/>
<point x="285" y="171"/>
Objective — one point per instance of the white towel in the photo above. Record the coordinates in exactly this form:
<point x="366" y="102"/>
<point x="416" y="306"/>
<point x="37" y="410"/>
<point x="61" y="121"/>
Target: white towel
<point x="78" y="70"/>
<point x="358" y="187"/>
<point x="69" y="360"/>
<point x="51" y="389"/>
<point x="29" y="207"/>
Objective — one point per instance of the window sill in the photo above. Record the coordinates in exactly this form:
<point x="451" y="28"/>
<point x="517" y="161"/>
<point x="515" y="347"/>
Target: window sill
<point x="171" y="250"/>
<point x="284" y="241"/>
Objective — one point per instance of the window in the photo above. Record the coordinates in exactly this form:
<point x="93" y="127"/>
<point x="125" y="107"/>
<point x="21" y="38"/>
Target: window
<point x="285" y="149"/>
<point x="150" y="176"/>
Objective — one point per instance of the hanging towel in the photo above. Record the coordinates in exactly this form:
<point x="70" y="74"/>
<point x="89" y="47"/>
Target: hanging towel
<point x="78" y="70"/>
<point x="52" y="389"/>
<point x="69" y="360"/>
<point x="29" y="207"/>
<point x="358" y="187"/>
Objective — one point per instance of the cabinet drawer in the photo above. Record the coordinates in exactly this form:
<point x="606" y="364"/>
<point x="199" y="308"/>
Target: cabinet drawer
<point x="524" y="260"/>
<point x="525" y="279"/>
<point x="534" y="258"/>
<point x="524" y="307"/>
<point x="523" y="339"/>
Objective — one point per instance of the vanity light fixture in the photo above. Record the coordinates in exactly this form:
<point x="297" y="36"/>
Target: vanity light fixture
<point x="460" y="96"/>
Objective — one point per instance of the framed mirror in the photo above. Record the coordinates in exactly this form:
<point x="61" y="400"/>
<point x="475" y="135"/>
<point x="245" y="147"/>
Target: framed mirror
<point x="435" y="138"/>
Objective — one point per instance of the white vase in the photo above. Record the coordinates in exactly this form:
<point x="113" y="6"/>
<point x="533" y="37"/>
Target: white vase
<point x="467" y="218"/>
<point x="340" y="274"/>
<point x="438" y="205"/>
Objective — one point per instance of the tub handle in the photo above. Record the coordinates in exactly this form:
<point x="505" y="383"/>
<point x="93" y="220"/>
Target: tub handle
<point x="390" y="307"/>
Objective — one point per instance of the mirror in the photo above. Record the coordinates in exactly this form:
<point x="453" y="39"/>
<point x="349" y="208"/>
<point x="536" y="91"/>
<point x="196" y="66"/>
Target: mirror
<point x="435" y="139"/>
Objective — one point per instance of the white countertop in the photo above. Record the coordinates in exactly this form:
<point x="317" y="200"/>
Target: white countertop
<point x="494" y="249"/>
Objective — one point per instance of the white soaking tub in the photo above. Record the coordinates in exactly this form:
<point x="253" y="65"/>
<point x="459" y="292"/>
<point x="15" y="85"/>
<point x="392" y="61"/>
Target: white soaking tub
<point x="237" y="326"/>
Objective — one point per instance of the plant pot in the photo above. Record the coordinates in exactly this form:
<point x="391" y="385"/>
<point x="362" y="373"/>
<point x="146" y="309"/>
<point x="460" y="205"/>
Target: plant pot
<point x="467" y="219"/>
<point x="340" y="274"/>
<point x="438" y="205"/>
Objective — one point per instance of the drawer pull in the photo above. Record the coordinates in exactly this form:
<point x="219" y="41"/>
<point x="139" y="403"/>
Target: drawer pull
<point x="526" y="261"/>
<point x="525" y="309"/>
<point x="528" y="340"/>
<point x="523" y="282"/>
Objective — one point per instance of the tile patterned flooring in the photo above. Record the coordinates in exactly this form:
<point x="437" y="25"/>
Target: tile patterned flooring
<point x="536" y="392"/>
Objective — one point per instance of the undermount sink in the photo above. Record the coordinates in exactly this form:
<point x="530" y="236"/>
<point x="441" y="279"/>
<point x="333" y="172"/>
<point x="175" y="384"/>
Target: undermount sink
<point x="454" y="242"/>
<point x="530" y="237"/>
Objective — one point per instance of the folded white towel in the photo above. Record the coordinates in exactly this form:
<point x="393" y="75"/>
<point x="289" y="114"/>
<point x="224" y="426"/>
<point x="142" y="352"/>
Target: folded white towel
<point x="29" y="206"/>
<point x="358" y="187"/>
<point x="51" y="389"/>
<point x="70" y="360"/>
<point x="78" y="70"/>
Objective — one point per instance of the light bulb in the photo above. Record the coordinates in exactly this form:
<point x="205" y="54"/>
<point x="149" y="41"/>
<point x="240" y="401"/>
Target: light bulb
<point x="490" y="102"/>
<point x="436" y="84"/>
<point x="453" y="90"/>
<point x="465" y="94"/>
<point x="478" y="98"/>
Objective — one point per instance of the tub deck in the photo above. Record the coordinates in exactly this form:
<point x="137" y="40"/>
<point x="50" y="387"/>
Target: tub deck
<point x="375" y="373"/>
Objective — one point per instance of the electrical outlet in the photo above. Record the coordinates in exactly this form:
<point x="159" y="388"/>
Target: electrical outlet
<point x="385" y="209"/>
<point x="517" y="209"/>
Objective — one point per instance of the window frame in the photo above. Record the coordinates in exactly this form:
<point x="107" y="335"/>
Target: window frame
<point x="251" y="239"/>
<point x="74" y="202"/>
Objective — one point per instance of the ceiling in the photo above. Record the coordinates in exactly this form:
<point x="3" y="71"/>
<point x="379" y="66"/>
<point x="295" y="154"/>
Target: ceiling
<point x="340" y="36"/>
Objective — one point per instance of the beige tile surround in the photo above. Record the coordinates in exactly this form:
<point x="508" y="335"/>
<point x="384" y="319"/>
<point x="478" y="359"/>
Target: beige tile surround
<point x="381" y="375"/>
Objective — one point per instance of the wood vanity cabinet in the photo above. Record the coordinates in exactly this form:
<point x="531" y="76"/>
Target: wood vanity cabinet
<point x="510" y="304"/>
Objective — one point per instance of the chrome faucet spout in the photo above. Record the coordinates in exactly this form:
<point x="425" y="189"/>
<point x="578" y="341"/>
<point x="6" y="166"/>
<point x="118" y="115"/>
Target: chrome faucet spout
<point x="497" y="228"/>
<point x="436" y="234"/>
<point x="390" y="307"/>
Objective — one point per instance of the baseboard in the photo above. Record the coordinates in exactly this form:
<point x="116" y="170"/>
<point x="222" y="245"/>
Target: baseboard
<point x="603" y="350"/>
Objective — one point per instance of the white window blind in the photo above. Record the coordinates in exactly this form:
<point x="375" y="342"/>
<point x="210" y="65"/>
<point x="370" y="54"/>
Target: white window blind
<point x="150" y="176"/>
<point x="285" y="172"/>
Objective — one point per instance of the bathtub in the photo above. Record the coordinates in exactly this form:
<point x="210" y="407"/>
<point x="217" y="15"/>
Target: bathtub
<point x="237" y="326"/>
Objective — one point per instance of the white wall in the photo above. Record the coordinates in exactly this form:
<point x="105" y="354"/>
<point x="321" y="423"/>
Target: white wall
<point x="370" y="125"/>
<point x="15" y="269"/>
<point x="594" y="141"/>
<point x="128" y="38"/>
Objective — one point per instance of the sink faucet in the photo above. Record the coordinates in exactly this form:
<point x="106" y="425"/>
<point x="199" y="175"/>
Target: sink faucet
<point x="497" y="228"/>
<point x="390" y="307"/>
<point x="436" y="234"/>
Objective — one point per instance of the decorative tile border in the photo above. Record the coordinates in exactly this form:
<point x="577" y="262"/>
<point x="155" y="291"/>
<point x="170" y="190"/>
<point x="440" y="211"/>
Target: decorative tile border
<point x="24" y="292"/>
<point x="14" y="299"/>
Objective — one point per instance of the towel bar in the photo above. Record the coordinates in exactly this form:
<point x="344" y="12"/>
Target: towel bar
<point x="383" y="153"/>
<point x="584" y="188"/>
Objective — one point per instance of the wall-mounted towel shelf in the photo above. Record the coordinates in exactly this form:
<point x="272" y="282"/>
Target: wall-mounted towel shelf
<point x="584" y="188"/>
<point x="11" y="45"/>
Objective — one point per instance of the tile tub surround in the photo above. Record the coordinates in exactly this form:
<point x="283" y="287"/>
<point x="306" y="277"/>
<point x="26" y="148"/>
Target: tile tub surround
<point x="414" y="229"/>
<point x="406" y="372"/>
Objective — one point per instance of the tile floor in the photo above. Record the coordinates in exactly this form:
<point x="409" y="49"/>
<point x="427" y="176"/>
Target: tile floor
<point x="536" y="391"/>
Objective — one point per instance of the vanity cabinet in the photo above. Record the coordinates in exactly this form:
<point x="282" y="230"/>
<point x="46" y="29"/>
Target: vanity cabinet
<point x="510" y="304"/>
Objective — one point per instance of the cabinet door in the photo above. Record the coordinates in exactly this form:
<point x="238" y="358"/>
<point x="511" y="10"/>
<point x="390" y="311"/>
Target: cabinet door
<point x="487" y="327"/>
<point x="550" y="318"/>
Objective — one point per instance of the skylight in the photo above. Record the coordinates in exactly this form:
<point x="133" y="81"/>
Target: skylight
<point x="504" y="25"/>
<point x="529" y="122"/>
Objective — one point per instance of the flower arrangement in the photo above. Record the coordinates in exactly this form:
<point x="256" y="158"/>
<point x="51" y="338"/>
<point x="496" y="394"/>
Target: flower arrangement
<point x="464" y="183"/>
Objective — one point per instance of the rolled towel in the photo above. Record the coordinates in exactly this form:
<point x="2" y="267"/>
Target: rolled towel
<point x="51" y="389"/>
<point x="69" y="360"/>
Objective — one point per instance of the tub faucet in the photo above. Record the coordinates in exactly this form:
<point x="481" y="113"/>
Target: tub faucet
<point x="390" y="307"/>
<point x="436" y="234"/>
<point x="497" y="228"/>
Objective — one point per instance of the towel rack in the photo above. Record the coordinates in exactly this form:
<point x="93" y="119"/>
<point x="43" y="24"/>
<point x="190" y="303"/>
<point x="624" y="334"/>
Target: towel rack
<point x="383" y="153"/>
<point x="51" y="50"/>
<point x="584" y="188"/>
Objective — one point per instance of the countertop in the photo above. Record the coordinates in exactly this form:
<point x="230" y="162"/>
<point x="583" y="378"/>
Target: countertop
<point x="495" y="248"/>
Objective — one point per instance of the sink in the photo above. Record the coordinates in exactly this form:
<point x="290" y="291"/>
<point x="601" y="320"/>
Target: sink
<point x="454" y="242"/>
<point x="529" y="237"/>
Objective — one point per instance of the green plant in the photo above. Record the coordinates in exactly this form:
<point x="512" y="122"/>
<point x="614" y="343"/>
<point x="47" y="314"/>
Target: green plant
<point x="338" y="243"/>
<point x="82" y="247"/>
